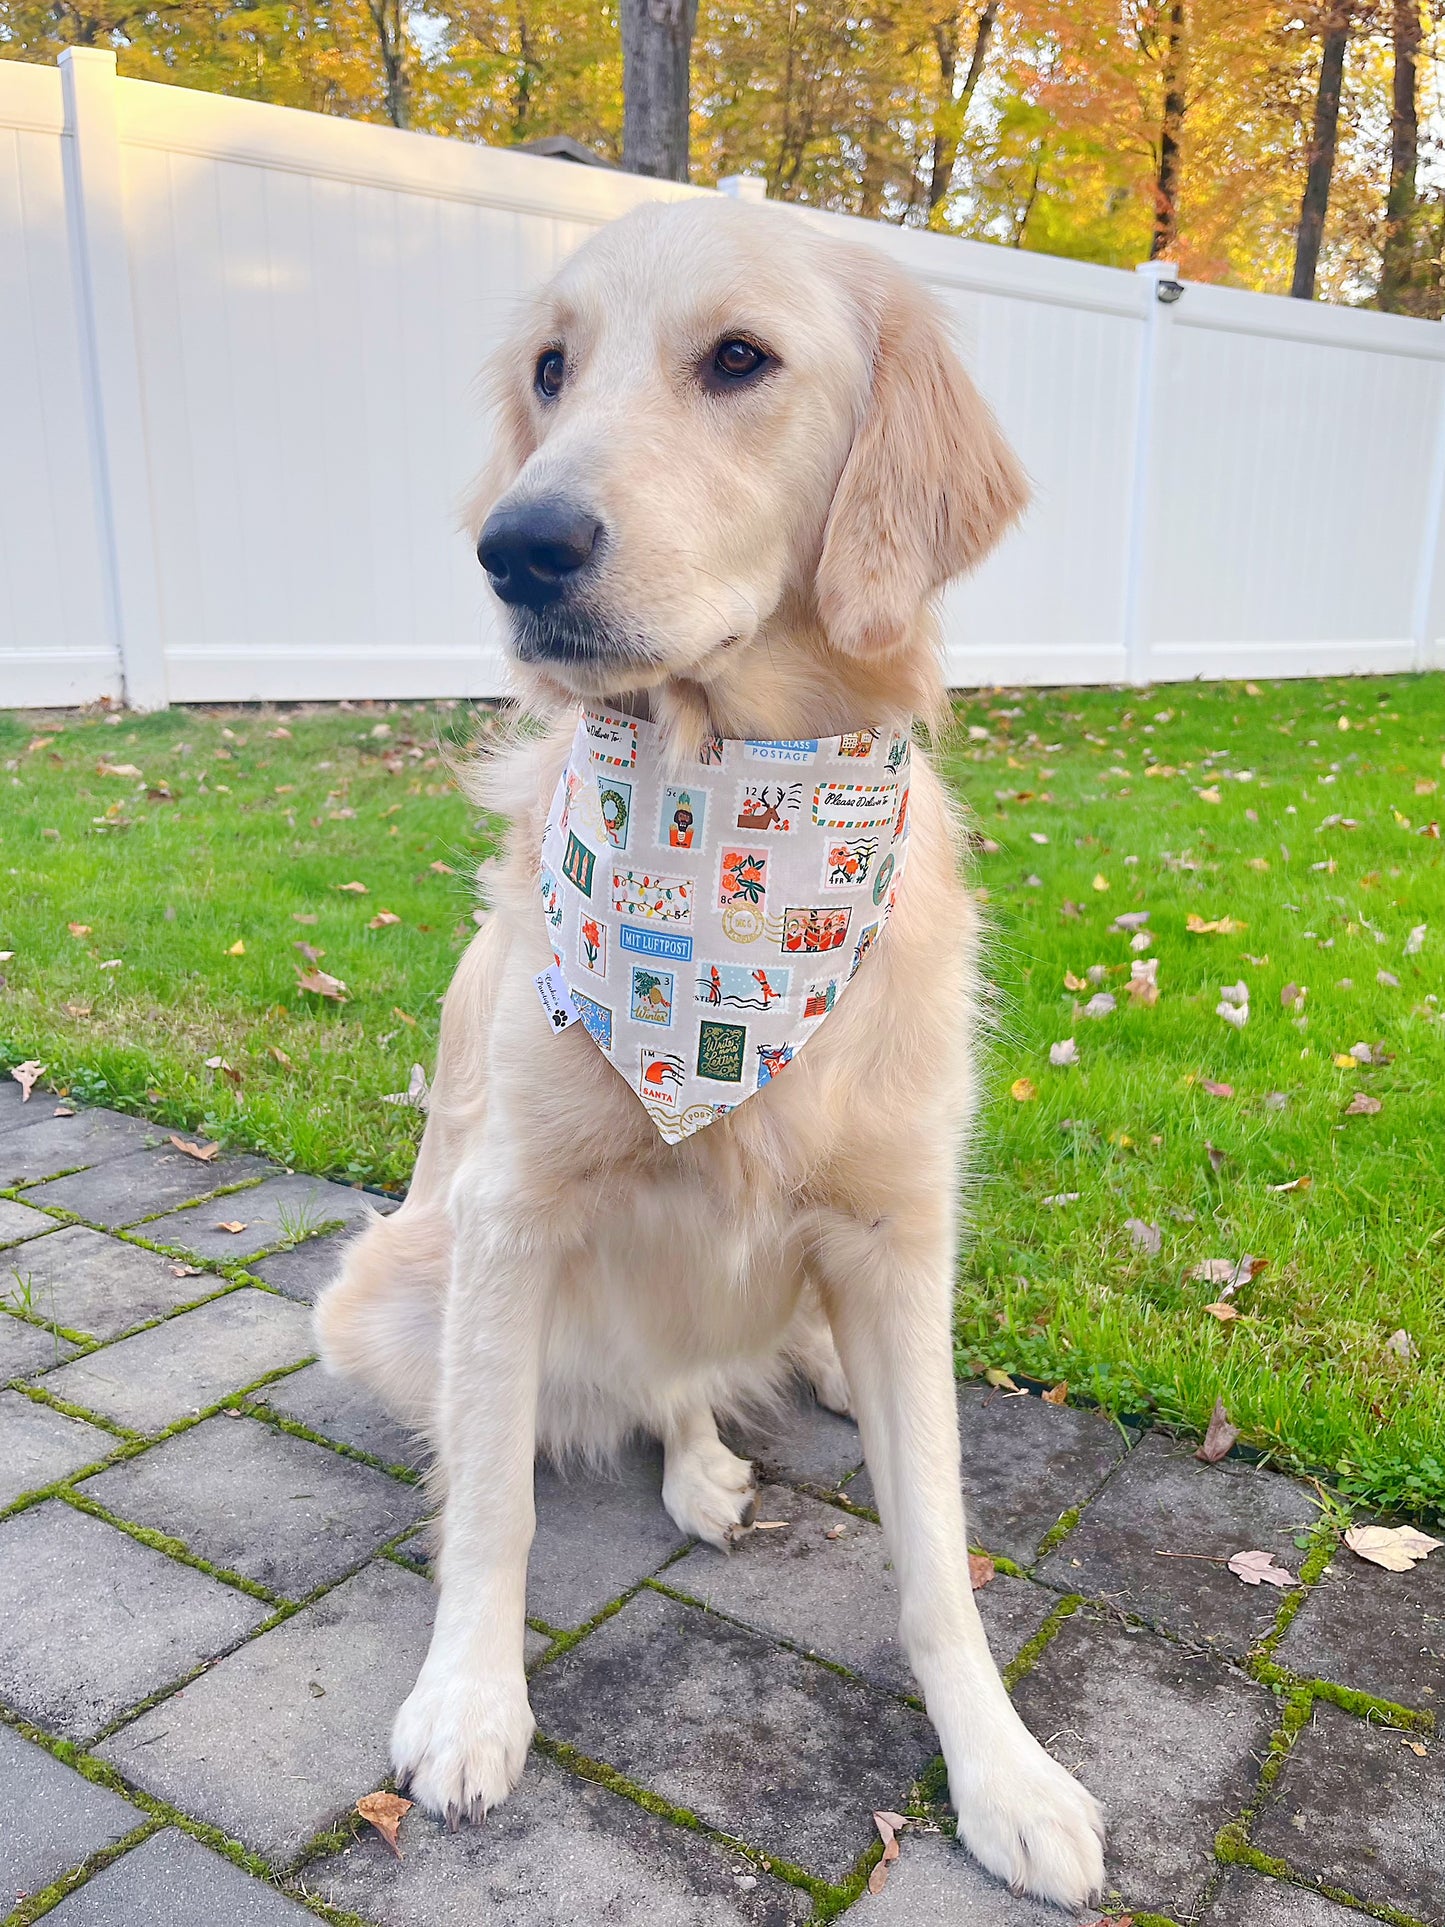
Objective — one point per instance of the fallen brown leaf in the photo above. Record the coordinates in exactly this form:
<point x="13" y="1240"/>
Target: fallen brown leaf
<point x="382" y="919"/>
<point x="1258" y="1568"/>
<point x="322" y="984"/>
<point x="353" y="889"/>
<point x="1216" y="1090"/>
<point x="234" y="1225"/>
<point x="1023" y="1090"/>
<point x="980" y="1570"/>
<point x="1147" y="1237"/>
<point x="1057" y="1394"/>
<point x="1295" y="1184"/>
<point x="309" y="951"/>
<point x="889" y="1825"/>
<point x="1000" y="1381"/>
<point x="1215" y="927"/>
<point x="1396" y="1548"/>
<point x="238" y="948"/>
<point x="78" y="929"/>
<point x="1219" y="1436"/>
<point x="27" y="1076"/>
<point x="202" y="1153"/>
<point x="280" y="1056"/>
<point x="441" y="869"/>
<point x="185" y="1271"/>
<point x="1363" y="1105"/>
<point x="1071" y="982"/>
<point x="384" y="1811"/>
<point x="1222" y="1311"/>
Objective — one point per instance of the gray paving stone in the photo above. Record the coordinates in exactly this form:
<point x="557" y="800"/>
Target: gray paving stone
<point x="90" y="1283"/>
<point x="1357" y="1809"/>
<point x="306" y="1269"/>
<point x="279" y="1510"/>
<point x="91" y="1621"/>
<point x="837" y="1597"/>
<point x="935" y="1883"/>
<point x="126" y="1189"/>
<point x="19" y="1222"/>
<point x="42" y="1146"/>
<point x="1170" y="1741"/>
<point x="155" y="1377"/>
<point x="1379" y="1632"/>
<point x="26" y="1349"/>
<point x="561" y="1852"/>
<point x="1164" y="1501"/>
<point x="280" y="1209"/>
<point x="1024" y="1464"/>
<point x="757" y="1742"/>
<point x="39" y="1446"/>
<point x="279" y="1739"/>
<point x="338" y="1408"/>
<point x="1247" y="1899"/>
<point x="171" y="1880"/>
<point x="596" y="1536"/>
<point x="54" y="1818"/>
<point x="799" y="1442"/>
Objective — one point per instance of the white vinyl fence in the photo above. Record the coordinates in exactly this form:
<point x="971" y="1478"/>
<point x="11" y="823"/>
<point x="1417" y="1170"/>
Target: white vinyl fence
<point x="238" y="348"/>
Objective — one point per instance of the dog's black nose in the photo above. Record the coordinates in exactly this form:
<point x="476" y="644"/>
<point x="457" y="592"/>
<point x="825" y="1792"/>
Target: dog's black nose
<point x="531" y="552"/>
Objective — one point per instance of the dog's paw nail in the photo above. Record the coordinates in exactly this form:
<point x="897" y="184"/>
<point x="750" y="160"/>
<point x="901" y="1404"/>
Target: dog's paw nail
<point x="750" y="1511"/>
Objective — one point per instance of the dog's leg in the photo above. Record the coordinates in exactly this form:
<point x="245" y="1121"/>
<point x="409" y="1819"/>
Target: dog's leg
<point x="811" y="1347"/>
<point x="887" y="1287"/>
<point x="461" y="1739"/>
<point x="709" y="1492"/>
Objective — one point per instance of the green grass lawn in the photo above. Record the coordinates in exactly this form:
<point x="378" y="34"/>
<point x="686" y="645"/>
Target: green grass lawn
<point x="1299" y="815"/>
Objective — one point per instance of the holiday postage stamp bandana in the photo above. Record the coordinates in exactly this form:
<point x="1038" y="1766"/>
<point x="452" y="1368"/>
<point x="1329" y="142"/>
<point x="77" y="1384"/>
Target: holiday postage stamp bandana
<point x="705" y="919"/>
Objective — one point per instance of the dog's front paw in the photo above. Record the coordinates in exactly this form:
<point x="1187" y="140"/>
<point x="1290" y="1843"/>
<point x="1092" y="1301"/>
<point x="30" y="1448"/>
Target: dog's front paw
<point x="459" y="1745"/>
<point x="1029" y="1822"/>
<point x="709" y="1492"/>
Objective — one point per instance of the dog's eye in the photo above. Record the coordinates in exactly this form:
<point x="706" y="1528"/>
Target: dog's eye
<point x="735" y="360"/>
<point x="547" y="378"/>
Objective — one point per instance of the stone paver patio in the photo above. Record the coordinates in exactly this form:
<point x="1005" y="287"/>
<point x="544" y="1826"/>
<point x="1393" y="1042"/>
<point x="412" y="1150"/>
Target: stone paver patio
<point x="213" y="1598"/>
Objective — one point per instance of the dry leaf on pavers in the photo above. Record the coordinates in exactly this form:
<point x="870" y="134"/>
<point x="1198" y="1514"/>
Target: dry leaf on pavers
<point x="234" y="1225"/>
<point x="186" y="1271"/>
<point x="385" y="1812"/>
<point x="1258" y="1568"/>
<point x="27" y="1076"/>
<point x="980" y="1570"/>
<point x="1148" y="1237"/>
<point x="352" y="889"/>
<point x="1064" y="1054"/>
<point x="1216" y="927"/>
<point x="1023" y="1090"/>
<point x="1219" y="1435"/>
<point x="322" y="984"/>
<point x="1363" y="1105"/>
<point x="1396" y="1548"/>
<point x="202" y="1153"/>
<point x="889" y="1826"/>
<point x="1056" y="1394"/>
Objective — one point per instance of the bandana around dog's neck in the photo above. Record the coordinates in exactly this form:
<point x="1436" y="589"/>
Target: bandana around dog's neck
<point x="705" y="920"/>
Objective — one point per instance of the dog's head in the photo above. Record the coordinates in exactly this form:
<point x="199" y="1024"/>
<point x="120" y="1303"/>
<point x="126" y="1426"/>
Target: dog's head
<point x="724" y="436"/>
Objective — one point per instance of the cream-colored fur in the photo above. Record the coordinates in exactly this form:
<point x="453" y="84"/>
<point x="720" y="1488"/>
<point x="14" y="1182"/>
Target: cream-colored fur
<point x="559" y="1275"/>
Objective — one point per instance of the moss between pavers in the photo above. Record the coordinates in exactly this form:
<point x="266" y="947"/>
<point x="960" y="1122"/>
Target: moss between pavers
<point x="1058" y="1532"/>
<point x="1235" y="1851"/>
<point x="35" y="1905"/>
<point x="278" y="1422"/>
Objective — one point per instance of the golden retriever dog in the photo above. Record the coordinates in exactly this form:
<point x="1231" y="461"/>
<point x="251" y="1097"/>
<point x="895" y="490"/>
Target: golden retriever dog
<point x="736" y="458"/>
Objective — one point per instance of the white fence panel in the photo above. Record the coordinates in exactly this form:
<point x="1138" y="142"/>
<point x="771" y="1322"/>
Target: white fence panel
<point x="244" y="415"/>
<point x="56" y="628"/>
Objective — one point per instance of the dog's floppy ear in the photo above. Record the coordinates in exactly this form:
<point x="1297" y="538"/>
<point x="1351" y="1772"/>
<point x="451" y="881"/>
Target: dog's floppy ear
<point x="929" y="486"/>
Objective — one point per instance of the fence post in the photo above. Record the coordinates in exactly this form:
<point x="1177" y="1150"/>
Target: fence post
<point x="107" y="331"/>
<point x="1428" y="562"/>
<point x="1163" y="291"/>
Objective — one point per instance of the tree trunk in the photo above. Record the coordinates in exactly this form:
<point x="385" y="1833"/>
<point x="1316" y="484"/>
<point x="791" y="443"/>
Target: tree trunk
<point x="1316" y="202"/>
<point x="1404" y="155"/>
<point x="1171" y="138"/>
<point x="391" y="34"/>
<point x="656" y="71"/>
<point x="952" y="114"/>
